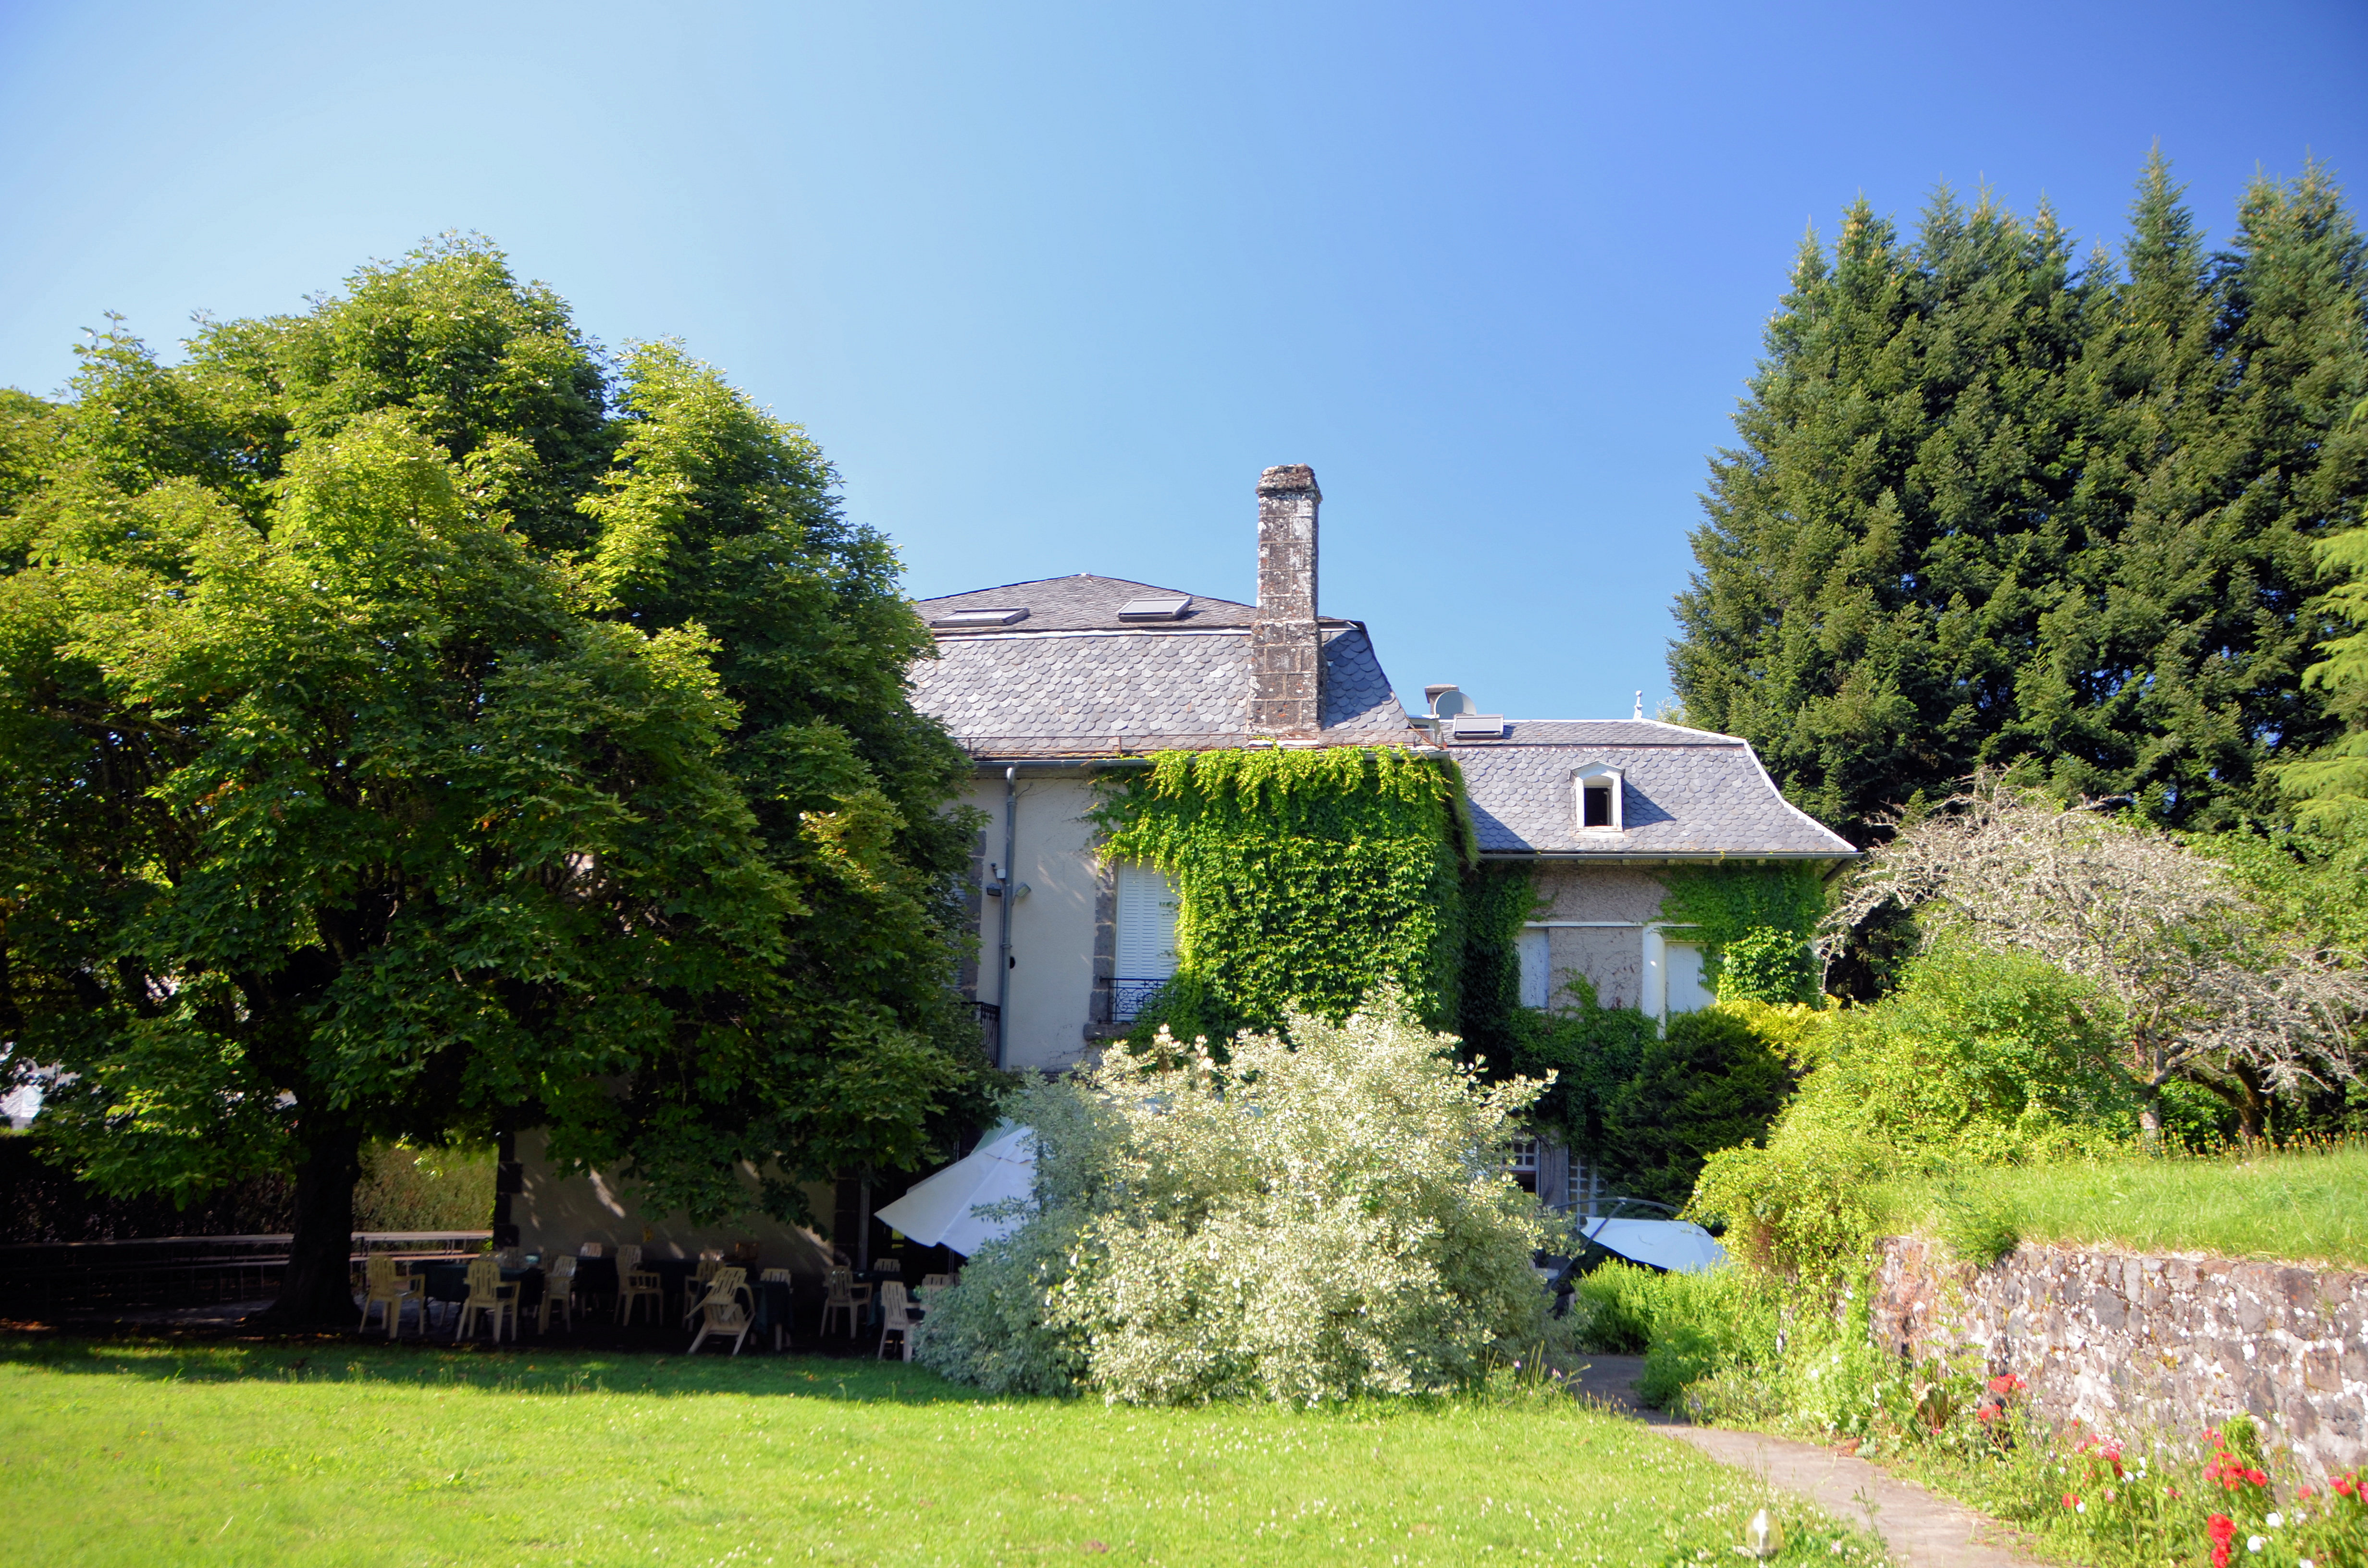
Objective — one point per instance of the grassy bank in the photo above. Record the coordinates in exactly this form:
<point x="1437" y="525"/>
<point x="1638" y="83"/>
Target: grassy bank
<point x="118" y="1453"/>
<point x="2302" y="1206"/>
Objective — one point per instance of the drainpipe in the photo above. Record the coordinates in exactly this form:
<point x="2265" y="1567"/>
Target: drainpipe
<point x="1003" y="949"/>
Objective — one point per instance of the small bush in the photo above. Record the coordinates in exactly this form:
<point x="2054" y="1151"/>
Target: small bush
<point x="1613" y="1305"/>
<point x="1316" y="1220"/>
<point x="1710" y="1083"/>
<point x="1978" y="1228"/>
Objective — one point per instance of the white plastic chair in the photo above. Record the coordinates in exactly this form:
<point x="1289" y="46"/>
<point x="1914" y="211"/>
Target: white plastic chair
<point x="725" y="1310"/>
<point x="558" y="1291"/>
<point x="896" y="1317"/>
<point x="488" y="1293"/>
<point x="841" y="1293"/>
<point x="710" y="1263"/>
<point x="635" y="1283"/>
<point x="382" y="1286"/>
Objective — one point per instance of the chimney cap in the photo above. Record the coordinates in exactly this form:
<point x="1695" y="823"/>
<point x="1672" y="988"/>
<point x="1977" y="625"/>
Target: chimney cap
<point x="1286" y="479"/>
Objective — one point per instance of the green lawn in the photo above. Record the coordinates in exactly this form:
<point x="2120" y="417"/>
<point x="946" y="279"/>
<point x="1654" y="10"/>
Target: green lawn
<point x="2302" y="1206"/>
<point x="152" y="1454"/>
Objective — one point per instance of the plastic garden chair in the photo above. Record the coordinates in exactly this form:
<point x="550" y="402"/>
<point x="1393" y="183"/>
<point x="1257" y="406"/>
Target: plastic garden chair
<point x="896" y="1317"/>
<point x="841" y="1293"/>
<point x="725" y="1310"/>
<point x="488" y="1293"/>
<point x="635" y="1283"/>
<point x="382" y="1286"/>
<point x="558" y="1291"/>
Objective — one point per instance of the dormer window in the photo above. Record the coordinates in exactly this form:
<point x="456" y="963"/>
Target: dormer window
<point x="1598" y="797"/>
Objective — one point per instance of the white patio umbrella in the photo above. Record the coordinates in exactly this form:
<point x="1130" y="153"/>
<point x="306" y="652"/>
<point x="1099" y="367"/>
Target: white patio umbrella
<point x="1672" y="1245"/>
<point x="939" y="1211"/>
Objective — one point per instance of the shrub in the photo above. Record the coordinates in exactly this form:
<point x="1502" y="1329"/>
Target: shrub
<point x="1312" y="1220"/>
<point x="1710" y="1083"/>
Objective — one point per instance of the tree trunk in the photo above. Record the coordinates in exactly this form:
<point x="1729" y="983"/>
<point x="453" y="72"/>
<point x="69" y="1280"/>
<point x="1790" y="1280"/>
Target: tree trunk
<point x="2253" y="1106"/>
<point x="2150" y="1116"/>
<point x="318" y="1292"/>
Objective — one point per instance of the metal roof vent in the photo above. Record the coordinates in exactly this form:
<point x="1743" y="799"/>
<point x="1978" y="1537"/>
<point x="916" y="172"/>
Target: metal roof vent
<point x="1004" y="616"/>
<point x="1475" y="727"/>
<point x="1167" y="607"/>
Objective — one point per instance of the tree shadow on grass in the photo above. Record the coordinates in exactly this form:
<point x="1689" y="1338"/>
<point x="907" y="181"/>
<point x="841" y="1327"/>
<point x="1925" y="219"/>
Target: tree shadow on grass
<point x="541" y="1370"/>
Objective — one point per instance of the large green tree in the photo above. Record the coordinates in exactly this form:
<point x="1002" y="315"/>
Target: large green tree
<point x="415" y="726"/>
<point x="1988" y="505"/>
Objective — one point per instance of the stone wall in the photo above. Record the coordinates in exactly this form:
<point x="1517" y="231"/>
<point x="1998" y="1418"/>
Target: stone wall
<point x="2128" y="1342"/>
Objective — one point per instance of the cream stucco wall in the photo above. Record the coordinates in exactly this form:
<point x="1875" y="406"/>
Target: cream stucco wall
<point x="1054" y="929"/>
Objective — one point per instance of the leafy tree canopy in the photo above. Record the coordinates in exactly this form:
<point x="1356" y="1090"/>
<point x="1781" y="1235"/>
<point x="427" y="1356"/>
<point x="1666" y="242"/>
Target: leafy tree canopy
<point x="417" y="726"/>
<point x="1990" y="505"/>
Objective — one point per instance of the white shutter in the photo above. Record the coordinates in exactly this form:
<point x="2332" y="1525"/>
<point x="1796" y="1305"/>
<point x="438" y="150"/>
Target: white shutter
<point x="1146" y="923"/>
<point x="1146" y="935"/>
<point x="1537" y="969"/>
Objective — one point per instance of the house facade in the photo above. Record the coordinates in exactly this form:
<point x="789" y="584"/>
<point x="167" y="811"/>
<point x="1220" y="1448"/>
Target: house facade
<point x="1050" y="686"/>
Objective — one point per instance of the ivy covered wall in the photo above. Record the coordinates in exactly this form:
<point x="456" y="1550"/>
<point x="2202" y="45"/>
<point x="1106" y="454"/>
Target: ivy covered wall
<point x="1305" y="878"/>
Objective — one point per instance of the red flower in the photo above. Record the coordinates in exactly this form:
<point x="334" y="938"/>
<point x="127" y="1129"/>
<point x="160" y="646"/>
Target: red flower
<point x="2257" y="1477"/>
<point x="2070" y="1501"/>
<point x="2006" y="1384"/>
<point x="1987" y="1414"/>
<point x="2221" y="1530"/>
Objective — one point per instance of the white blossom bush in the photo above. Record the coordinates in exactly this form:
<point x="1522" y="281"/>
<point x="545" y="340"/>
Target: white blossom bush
<point x="1312" y="1220"/>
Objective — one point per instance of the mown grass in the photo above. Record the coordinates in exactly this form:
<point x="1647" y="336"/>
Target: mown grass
<point x="115" y="1452"/>
<point x="2302" y="1205"/>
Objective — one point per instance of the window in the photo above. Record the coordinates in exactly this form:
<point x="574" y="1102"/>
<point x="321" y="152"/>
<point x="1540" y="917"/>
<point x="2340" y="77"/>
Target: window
<point x="1686" y="992"/>
<point x="1146" y="939"/>
<point x="1523" y="1165"/>
<point x="1537" y="968"/>
<point x="1599" y="796"/>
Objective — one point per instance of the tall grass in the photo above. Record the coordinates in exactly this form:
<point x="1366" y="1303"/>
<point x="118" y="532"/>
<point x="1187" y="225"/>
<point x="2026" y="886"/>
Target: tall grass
<point x="2301" y="1205"/>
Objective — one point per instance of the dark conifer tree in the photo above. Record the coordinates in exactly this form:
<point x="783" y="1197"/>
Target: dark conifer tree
<point x="1991" y="509"/>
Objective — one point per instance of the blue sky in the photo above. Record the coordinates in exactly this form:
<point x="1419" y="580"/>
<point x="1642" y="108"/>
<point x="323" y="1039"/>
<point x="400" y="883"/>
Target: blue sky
<point x="1051" y="284"/>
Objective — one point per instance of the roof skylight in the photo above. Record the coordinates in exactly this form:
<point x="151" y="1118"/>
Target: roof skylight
<point x="1004" y="616"/>
<point x="1168" y="606"/>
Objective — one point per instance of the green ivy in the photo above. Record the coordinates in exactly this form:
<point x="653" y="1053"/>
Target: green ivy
<point x="1722" y="900"/>
<point x="1303" y="880"/>
<point x="1757" y="904"/>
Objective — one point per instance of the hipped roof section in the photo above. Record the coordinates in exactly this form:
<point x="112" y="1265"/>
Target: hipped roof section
<point x="1072" y="680"/>
<point x="1685" y="794"/>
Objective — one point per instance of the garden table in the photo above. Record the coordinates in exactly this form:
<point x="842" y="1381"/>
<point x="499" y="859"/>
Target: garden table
<point x="775" y="1304"/>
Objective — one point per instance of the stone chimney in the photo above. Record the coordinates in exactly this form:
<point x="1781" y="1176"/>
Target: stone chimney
<point x="1286" y="650"/>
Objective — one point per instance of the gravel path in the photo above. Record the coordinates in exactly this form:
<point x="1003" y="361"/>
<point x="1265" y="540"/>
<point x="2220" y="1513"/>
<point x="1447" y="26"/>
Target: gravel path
<point x="1922" y="1529"/>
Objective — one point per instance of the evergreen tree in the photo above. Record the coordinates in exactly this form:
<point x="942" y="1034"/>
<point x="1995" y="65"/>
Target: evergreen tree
<point x="1988" y="509"/>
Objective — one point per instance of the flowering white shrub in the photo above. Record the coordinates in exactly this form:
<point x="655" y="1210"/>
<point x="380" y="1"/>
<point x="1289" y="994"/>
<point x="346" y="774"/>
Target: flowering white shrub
<point x="1311" y="1220"/>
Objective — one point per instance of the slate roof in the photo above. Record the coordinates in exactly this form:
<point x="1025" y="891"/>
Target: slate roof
<point x="1072" y="680"/>
<point x="1683" y="793"/>
<point x="1018" y="692"/>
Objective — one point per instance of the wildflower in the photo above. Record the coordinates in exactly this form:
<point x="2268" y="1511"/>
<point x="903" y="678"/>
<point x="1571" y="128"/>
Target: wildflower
<point x="2255" y="1542"/>
<point x="2221" y="1530"/>
<point x="2070" y="1501"/>
<point x="2274" y="1520"/>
